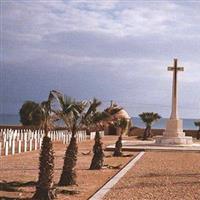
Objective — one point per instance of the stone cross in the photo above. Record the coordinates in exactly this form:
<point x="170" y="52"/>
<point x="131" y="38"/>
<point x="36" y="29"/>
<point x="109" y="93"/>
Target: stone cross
<point x="173" y="134"/>
<point x="175" y="69"/>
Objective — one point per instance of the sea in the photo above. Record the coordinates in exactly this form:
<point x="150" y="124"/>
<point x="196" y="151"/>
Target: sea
<point x="188" y="124"/>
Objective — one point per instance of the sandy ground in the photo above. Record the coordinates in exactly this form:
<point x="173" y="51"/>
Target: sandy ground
<point x="160" y="176"/>
<point x="23" y="169"/>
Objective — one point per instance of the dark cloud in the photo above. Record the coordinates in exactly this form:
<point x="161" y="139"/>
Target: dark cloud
<point x="96" y="44"/>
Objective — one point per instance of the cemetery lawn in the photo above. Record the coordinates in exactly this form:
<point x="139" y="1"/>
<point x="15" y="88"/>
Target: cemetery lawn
<point x="160" y="175"/>
<point x="21" y="172"/>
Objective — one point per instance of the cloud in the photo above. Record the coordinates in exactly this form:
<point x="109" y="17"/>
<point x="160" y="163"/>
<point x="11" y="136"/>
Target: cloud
<point x="114" y="17"/>
<point x="110" y="49"/>
<point x="95" y="5"/>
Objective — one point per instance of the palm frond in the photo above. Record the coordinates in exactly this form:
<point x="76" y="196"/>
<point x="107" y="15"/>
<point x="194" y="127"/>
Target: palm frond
<point x="113" y="110"/>
<point x="93" y="106"/>
<point x="122" y="123"/>
<point x="54" y="95"/>
<point x="197" y="123"/>
<point x="149" y="117"/>
<point x="100" y="116"/>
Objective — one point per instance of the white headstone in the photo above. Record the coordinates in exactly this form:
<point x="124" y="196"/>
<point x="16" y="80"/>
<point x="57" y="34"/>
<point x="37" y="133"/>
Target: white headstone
<point x="30" y="145"/>
<point x="19" y="146"/>
<point x="25" y="145"/>
<point x="6" y="148"/>
<point x="13" y="147"/>
<point x="40" y="143"/>
<point x="35" y="144"/>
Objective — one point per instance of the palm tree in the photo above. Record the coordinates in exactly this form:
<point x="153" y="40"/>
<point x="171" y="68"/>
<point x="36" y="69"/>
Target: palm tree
<point x="148" y="118"/>
<point x="45" y="189"/>
<point x="72" y="113"/>
<point x="197" y="124"/>
<point x="98" y="119"/>
<point x="121" y="123"/>
<point x="98" y="157"/>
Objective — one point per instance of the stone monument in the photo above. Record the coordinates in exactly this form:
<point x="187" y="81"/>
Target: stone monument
<point x="174" y="128"/>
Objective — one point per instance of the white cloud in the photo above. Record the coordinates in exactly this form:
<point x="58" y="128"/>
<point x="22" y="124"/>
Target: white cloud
<point x="97" y="5"/>
<point x="115" y="17"/>
<point x="130" y="41"/>
<point x="40" y="17"/>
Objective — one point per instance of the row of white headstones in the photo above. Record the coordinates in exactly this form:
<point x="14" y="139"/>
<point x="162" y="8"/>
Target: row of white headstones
<point x="18" y="141"/>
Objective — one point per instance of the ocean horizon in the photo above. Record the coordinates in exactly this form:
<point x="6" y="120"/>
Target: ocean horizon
<point x="188" y="124"/>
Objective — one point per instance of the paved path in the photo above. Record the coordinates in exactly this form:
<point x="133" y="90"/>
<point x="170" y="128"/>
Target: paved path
<point x="108" y="186"/>
<point x="137" y="145"/>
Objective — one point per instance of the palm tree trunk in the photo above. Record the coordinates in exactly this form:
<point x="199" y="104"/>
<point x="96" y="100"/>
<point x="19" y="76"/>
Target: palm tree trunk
<point x="118" y="146"/>
<point x="68" y="176"/>
<point x="98" y="157"/>
<point x="145" y="134"/>
<point x="44" y="188"/>
<point x="198" y="134"/>
<point x="149" y="132"/>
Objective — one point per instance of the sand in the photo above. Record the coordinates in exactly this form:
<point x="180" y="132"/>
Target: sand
<point x="23" y="168"/>
<point x="160" y="176"/>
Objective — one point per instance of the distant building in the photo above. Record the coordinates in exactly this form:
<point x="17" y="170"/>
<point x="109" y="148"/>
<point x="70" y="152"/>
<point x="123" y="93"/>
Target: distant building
<point x="110" y="128"/>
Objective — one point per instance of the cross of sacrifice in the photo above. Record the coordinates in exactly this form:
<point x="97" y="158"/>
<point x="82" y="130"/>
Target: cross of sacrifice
<point x="175" y="69"/>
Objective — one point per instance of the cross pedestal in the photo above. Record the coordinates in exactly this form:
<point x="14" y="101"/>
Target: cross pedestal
<point x="174" y="128"/>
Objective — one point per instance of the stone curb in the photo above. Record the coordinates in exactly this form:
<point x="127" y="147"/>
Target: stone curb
<point x="105" y="188"/>
<point x="157" y="148"/>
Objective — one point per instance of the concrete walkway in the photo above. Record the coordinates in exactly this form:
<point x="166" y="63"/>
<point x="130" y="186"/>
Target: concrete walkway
<point x="107" y="187"/>
<point x="138" y="145"/>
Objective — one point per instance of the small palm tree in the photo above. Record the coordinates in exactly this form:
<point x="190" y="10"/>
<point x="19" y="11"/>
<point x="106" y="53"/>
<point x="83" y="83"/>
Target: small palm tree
<point x="98" y="157"/>
<point x="98" y="120"/>
<point x="197" y="124"/>
<point x="72" y="112"/>
<point x="44" y="188"/>
<point x="121" y="123"/>
<point x="148" y="118"/>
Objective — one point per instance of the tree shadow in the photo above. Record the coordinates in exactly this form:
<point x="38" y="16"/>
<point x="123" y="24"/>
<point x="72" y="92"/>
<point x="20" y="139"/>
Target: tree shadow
<point x="154" y="175"/>
<point x="24" y="169"/>
<point x="13" y="198"/>
<point x="67" y="191"/>
<point x="13" y="186"/>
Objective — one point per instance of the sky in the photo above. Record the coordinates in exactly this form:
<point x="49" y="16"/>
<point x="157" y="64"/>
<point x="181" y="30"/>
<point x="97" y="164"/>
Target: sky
<point x="108" y="49"/>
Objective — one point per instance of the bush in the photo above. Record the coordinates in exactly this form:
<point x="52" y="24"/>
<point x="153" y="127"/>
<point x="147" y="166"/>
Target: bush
<point x="30" y="114"/>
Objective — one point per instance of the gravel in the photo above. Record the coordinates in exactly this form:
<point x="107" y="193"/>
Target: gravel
<point x="23" y="168"/>
<point x="160" y="176"/>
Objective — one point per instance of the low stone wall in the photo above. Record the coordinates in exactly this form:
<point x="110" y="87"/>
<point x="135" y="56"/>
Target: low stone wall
<point x="139" y="132"/>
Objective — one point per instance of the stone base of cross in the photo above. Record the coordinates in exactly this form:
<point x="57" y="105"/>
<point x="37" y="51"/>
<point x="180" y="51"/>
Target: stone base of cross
<point x="174" y="128"/>
<point x="173" y="134"/>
